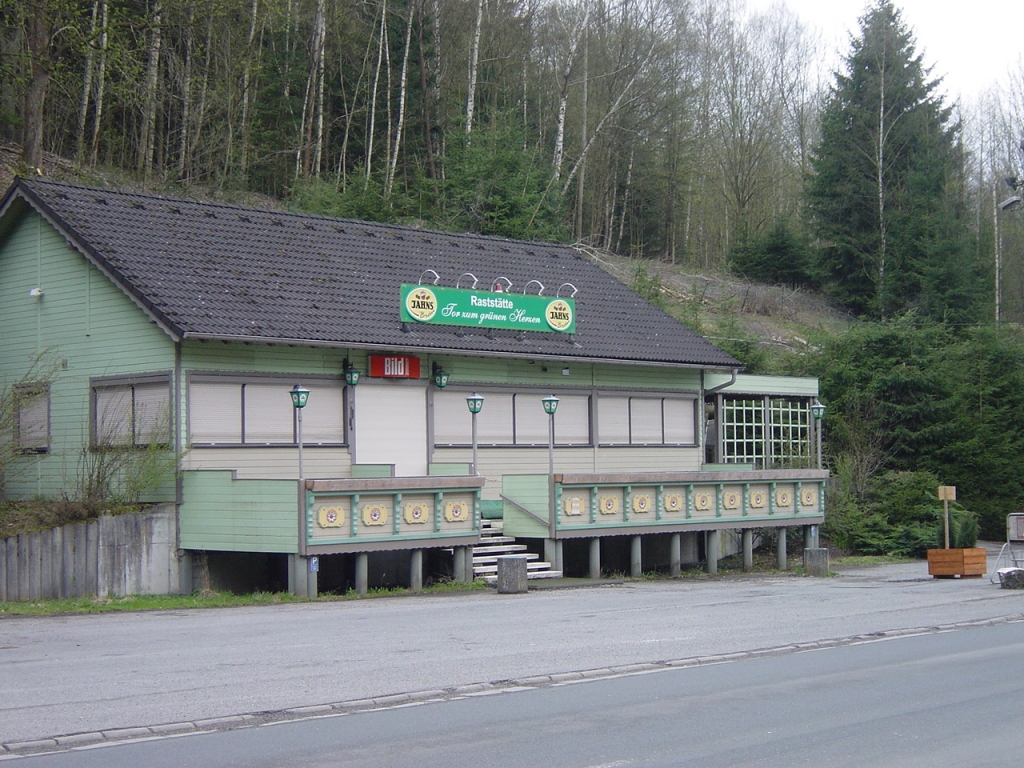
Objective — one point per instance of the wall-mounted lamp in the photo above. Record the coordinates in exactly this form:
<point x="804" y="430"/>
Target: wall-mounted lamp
<point x="36" y="293"/>
<point x="565" y="371"/>
<point x="440" y="376"/>
<point x="352" y="373"/>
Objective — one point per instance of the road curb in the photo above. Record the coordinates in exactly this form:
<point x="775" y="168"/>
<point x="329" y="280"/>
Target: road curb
<point x="91" y="739"/>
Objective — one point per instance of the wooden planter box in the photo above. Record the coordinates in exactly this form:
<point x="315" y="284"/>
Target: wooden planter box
<point x="950" y="563"/>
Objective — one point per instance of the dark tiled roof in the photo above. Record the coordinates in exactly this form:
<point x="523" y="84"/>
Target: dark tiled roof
<point x="209" y="270"/>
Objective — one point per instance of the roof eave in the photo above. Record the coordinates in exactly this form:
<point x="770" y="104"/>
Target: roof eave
<point x="418" y="350"/>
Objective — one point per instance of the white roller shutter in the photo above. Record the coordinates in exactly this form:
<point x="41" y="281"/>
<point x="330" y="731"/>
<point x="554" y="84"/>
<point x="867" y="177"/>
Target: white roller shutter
<point x="531" y="419"/>
<point x="113" y="415"/>
<point x="679" y="421"/>
<point x="452" y="420"/>
<point x="494" y="424"/>
<point x="323" y="419"/>
<point x="34" y="422"/>
<point x="214" y="413"/>
<point x="152" y="413"/>
<point x="572" y="420"/>
<point x="613" y="420"/>
<point x="645" y="421"/>
<point x="269" y="416"/>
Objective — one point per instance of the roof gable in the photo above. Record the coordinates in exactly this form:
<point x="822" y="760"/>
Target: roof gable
<point x="214" y="271"/>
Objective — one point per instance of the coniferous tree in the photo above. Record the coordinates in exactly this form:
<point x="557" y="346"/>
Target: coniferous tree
<point x="886" y="192"/>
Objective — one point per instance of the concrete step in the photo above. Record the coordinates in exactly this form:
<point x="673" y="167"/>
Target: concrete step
<point x="486" y="540"/>
<point x="493" y="559"/>
<point x="537" y="565"/>
<point x="499" y="549"/>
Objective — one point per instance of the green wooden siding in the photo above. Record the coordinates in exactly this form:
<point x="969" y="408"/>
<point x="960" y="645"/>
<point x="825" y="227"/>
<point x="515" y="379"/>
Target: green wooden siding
<point x="278" y="463"/>
<point x="81" y="318"/>
<point x="529" y="493"/>
<point x="261" y="358"/>
<point x="225" y="514"/>
<point x="792" y="386"/>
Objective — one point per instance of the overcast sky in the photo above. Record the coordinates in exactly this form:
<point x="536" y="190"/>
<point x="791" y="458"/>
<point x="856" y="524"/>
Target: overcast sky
<point x="973" y="44"/>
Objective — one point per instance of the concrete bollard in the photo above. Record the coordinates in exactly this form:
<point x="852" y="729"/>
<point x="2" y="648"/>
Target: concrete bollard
<point x="512" y="574"/>
<point x="816" y="561"/>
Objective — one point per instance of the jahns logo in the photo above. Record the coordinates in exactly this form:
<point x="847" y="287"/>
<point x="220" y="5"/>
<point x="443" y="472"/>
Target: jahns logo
<point x="559" y="315"/>
<point x="421" y="304"/>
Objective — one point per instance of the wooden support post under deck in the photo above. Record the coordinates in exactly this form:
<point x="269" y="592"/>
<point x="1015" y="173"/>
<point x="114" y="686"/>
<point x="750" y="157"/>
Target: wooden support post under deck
<point x="674" y="554"/>
<point x="416" y="570"/>
<point x="781" y="556"/>
<point x="635" y="565"/>
<point x="748" y="549"/>
<point x="553" y="553"/>
<point x="810" y="536"/>
<point x="362" y="578"/>
<point x="595" y="558"/>
<point x="714" y="548"/>
<point x="459" y="564"/>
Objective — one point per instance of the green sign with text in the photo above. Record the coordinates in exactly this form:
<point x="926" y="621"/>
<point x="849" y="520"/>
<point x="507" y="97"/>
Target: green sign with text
<point x="486" y="309"/>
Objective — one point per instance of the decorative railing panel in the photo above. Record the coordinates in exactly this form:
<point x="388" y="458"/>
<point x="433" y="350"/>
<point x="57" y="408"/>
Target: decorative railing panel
<point x="592" y="504"/>
<point x="391" y="513"/>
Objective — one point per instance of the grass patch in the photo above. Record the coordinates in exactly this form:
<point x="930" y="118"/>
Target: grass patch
<point x="85" y="605"/>
<point x="17" y="517"/>
<point x="848" y="560"/>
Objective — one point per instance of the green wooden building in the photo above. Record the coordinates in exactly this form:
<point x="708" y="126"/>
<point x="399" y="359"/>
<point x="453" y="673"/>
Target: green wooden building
<point x="180" y="328"/>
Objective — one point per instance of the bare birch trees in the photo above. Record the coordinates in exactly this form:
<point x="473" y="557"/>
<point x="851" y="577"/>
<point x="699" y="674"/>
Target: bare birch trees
<point x="663" y="128"/>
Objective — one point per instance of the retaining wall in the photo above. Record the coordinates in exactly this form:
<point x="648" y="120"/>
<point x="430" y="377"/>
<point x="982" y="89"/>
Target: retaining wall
<point x="112" y="556"/>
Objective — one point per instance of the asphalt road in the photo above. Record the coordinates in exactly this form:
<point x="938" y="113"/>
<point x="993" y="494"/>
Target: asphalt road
<point x="930" y="700"/>
<point x="94" y="674"/>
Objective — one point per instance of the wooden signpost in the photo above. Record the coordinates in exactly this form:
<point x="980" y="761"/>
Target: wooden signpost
<point x="947" y="493"/>
<point x="949" y="563"/>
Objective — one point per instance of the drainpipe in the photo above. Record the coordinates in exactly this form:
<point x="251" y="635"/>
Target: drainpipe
<point x="735" y="372"/>
<point x="718" y="422"/>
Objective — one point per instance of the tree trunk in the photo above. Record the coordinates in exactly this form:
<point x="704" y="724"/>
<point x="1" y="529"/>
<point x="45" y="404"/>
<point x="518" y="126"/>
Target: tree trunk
<point x="101" y="81"/>
<point x="319" y="43"/>
<point x="880" y="170"/>
<point x="581" y="186"/>
<point x="401" y="104"/>
<point x="474" y="59"/>
<point x="246" y="84"/>
<point x="147" y="140"/>
<point x="186" y="91"/>
<point x="563" y="93"/>
<point x="90" y="57"/>
<point x="203" y="88"/>
<point x="39" y="38"/>
<point x="376" y="87"/>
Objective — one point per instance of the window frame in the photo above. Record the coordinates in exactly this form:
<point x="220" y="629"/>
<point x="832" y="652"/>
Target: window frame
<point x="661" y="395"/>
<point x="286" y="381"/>
<point x="512" y="393"/>
<point x="131" y="381"/>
